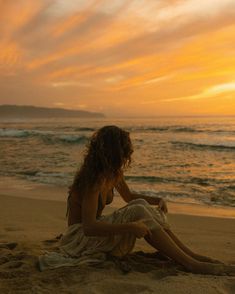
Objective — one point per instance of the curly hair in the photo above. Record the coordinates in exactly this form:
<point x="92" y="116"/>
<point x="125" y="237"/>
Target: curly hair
<point x="108" y="152"/>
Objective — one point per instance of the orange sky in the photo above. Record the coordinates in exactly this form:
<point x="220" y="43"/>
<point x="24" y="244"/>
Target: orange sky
<point x="136" y="57"/>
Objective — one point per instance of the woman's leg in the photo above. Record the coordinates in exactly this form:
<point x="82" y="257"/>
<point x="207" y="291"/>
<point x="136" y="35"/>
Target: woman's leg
<point x="160" y="240"/>
<point x="190" y="252"/>
<point x="163" y="242"/>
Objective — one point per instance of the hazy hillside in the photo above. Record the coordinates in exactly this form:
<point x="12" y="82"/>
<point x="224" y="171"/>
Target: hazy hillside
<point x="16" y="111"/>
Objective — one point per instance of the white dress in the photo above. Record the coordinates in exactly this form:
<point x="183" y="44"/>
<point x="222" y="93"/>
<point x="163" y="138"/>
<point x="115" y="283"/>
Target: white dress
<point x="76" y="248"/>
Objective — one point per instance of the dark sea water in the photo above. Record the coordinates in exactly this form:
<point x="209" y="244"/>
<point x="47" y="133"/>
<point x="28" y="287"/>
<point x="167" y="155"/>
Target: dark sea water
<point x="188" y="160"/>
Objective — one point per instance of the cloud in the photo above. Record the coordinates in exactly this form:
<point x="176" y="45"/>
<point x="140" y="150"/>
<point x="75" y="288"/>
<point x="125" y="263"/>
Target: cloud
<point x="70" y="84"/>
<point x="114" y="79"/>
<point x="158" y="79"/>
<point x="100" y="49"/>
<point x="207" y="93"/>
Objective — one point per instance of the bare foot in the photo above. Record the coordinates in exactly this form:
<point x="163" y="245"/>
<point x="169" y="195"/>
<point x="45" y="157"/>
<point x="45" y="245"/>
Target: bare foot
<point x="208" y="259"/>
<point x="207" y="268"/>
<point x="216" y="269"/>
<point x="229" y="270"/>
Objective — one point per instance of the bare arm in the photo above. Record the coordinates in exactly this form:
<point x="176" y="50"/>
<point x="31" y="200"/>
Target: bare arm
<point x="127" y="195"/>
<point x="93" y="227"/>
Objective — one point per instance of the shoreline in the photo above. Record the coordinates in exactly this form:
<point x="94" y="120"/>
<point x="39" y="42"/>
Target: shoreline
<point x="21" y="188"/>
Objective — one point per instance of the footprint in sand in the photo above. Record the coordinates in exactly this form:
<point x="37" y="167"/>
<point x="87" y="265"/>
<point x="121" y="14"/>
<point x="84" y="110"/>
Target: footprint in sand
<point x="10" y="258"/>
<point x="13" y="229"/>
<point x="230" y="286"/>
<point x="52" y="241"/>
<point x="49" y="242"/>
<point x="10" y="246"/>
<point x="4" y="259"/>
<point x="13" y="264"/>
<point x="123" y="287"/>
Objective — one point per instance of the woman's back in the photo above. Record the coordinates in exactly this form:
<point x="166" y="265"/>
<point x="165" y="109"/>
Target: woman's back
<point x="74" y="208"/>
<point x="74" y="205"/>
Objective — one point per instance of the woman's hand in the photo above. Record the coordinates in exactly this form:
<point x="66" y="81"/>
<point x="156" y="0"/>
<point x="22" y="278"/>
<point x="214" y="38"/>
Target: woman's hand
<point x="162" y="205"/>
<point x="140" y="229"/>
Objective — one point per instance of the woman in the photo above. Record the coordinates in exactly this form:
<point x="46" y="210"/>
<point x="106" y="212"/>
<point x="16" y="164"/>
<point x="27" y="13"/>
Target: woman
<point x="90" y="236"/>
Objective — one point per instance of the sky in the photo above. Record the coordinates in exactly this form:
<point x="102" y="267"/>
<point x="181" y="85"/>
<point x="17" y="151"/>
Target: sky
<point x="121" y="58"/>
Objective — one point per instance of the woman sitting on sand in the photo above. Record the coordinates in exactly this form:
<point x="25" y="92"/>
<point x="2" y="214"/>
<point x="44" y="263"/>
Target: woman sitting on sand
<point x="89" y="233"/>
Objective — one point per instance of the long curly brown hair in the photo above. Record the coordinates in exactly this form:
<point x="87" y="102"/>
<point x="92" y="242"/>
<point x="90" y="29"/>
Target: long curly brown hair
<point x="107" y="154"/>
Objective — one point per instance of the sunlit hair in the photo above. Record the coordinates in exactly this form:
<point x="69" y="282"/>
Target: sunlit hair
<point x="107" y="154"/>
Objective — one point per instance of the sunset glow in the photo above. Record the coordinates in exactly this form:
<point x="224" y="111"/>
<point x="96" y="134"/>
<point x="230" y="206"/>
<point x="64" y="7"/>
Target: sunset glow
<point x="166" y="57"/>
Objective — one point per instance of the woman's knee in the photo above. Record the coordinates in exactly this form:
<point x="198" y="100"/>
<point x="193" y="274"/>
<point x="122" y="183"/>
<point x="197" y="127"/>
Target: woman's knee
<point x="138" y="211"/>
<point x="137" y="201"/>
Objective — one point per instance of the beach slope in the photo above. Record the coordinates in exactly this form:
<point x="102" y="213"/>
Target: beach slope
<point x="29" y="227"/>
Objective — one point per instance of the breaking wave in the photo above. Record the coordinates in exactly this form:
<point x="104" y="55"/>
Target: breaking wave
<point x="47" y="137"/>
<point x="220" y="147"/>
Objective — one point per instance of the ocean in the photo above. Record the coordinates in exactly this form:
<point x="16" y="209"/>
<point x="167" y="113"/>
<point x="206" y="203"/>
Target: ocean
<point x="189" y="160"/>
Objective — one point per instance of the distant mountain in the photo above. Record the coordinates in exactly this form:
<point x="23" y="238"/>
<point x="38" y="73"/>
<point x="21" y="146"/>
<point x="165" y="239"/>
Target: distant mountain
<point x="23" y="111"/>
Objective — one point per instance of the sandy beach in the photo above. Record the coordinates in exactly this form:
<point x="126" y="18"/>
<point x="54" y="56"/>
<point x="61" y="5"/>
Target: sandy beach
<point x="139" y="95"/>
<point x="29" y="227"/>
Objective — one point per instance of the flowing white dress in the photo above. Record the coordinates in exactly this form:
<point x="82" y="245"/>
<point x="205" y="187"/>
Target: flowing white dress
<point x="76" y="248"/>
